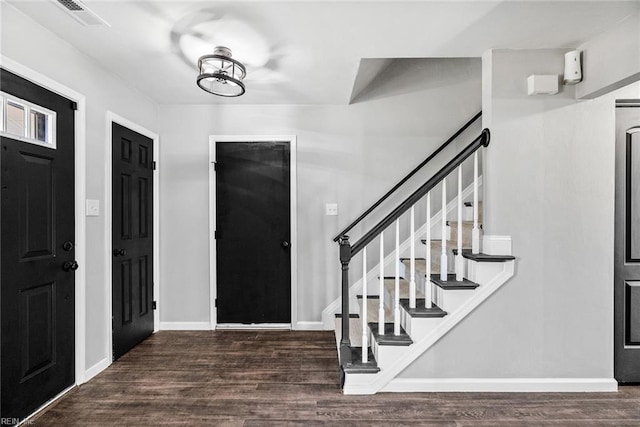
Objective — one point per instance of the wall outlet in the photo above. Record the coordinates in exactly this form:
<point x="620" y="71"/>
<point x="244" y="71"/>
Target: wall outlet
<point x="93" y="207"/>
<point x="331" y="209"/>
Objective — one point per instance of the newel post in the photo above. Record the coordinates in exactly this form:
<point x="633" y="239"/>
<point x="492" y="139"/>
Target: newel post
<point x="345" y="258"/>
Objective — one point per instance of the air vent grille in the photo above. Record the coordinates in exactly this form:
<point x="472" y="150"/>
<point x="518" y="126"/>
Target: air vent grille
<point x="80" y="12"/>
<point x="70" y="4"/>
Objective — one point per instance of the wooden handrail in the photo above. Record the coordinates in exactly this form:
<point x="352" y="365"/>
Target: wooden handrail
<point x="406" y="178"/>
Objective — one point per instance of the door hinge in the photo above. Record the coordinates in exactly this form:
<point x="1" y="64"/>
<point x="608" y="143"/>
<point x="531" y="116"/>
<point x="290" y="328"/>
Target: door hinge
<point x="215" y="166"/>
<point x="154" y="305"/>
<point x="154" y="165"/>
<point x="215" y="303"/>
<point x="74" y="105"/>
<point x="215" y="234"/>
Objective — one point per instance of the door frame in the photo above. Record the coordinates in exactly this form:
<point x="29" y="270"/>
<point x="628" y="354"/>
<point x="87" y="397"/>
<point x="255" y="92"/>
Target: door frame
<point x="293" y="192"/>
<point x="108" y="219"/>
<point x="79" y="198"/>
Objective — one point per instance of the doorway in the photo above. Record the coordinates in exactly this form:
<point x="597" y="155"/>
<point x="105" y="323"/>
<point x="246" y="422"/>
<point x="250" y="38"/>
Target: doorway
<point x="253" y="246"/>
<point x="132" y="238"/>
<point x="627" y="244"/>
<point x="38" y="221"/>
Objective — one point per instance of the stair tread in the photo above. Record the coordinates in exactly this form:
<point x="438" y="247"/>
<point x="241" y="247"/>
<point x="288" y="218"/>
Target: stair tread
<point x="389" y="338"/>
<point x="357" y="367"/>
<point x="480" y="257"/>
<point x="451" y="282"/>
<point x="420" y="310"/>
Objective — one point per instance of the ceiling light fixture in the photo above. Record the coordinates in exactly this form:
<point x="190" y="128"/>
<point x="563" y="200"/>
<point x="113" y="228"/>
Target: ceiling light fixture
<point x="220" y="74"/>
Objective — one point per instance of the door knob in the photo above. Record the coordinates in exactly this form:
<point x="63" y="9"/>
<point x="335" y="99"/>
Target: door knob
<point x="119" y="252"/>
<point x="70" y="266"/>
<point x="284" y="244"/>
<point x="68" y="245"/>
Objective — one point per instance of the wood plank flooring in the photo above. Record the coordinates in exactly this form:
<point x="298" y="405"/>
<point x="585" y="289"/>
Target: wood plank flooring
<point x="258" y="378"/>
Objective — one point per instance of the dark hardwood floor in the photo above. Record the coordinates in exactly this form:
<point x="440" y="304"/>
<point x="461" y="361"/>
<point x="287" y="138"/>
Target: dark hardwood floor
<point x="290" y="378"/>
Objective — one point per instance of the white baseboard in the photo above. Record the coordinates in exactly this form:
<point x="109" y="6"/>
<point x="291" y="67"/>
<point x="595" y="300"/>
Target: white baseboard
<point x="310" y="326"/>
<point x="548" y="385"/>
<point x="185" y="326"/>
<point x="97" y="368"/>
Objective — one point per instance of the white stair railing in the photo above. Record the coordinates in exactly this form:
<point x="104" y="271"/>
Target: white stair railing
<point x="365" y="302"/>
<point x="475" y="233"/>
<point x="412" y="283"/>
<point x="428" y="297"/>
<point x="381" y="294"/>
<point x="459" y="259"/>
<point x="396" y="306"/>
<point x="443" y="254"/>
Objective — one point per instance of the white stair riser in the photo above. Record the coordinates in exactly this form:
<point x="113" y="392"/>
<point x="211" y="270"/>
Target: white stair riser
<point x="387" y="354"/>
<point x="418" y="327"/>
<point x="482" y="272"/>
<point x="454" y="298"/>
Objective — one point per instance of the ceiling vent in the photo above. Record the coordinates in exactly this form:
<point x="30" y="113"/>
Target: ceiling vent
<point x="81" y="13"/>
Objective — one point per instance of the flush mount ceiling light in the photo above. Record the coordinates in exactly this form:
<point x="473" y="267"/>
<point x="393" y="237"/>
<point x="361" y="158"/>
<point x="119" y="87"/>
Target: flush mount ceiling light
<point x="220" y="74"/>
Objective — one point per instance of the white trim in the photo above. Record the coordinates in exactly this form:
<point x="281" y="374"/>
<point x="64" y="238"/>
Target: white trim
<point x="97" y="368"/>
<point x="185" y="326"/>
<point x="111" y="118"/>
<point x="328" y="314"/>
<point x="293" y="188"/>
<point x="501" y="385"/>
<point x="255" y="326"/>
<point x="80" y="195"/>
<point x="303" y="325"/>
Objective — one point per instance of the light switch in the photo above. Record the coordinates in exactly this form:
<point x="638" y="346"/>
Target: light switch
<point x="93" y="207"/>
<point x="331" y="209"/>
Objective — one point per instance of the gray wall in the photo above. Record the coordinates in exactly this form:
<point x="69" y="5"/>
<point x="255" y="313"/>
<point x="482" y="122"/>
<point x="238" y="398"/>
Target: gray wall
<point x="549" y="183"/>
<point x="346" y="154"/>
<point x="29" y="44"/>
<point x="617" y="48"/>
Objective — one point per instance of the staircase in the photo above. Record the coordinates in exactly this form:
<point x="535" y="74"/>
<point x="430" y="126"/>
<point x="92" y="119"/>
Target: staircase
<point x="403" y="305"/>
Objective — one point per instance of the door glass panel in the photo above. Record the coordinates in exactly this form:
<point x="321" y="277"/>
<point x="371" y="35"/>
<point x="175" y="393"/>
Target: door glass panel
<point x="15" y="118"/>
<point x="39" y="126"/>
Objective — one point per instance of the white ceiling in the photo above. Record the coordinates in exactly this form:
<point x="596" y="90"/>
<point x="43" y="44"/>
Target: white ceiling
<point x="309" y="52"/>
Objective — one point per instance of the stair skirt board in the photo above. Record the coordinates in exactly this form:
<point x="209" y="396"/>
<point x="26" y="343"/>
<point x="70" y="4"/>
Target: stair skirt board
<point x="370" y="384"/>
<point x="391" y="259"/>
<point x="499" y="385"/>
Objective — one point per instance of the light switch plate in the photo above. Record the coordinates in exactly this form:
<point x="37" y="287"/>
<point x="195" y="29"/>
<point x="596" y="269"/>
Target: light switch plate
<point x="93" y="207"/>
<point x="331" y="209"/>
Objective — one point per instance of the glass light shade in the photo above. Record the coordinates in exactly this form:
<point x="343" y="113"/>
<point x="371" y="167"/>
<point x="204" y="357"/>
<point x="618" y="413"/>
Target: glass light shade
<point x="220" y="74"/>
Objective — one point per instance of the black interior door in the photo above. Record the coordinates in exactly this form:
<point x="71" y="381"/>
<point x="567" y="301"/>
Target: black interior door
<point x="253" y="232"/>
<point x="38" y="232"/>
<point x="627" y="244"/>
<point x="132" y="239"/>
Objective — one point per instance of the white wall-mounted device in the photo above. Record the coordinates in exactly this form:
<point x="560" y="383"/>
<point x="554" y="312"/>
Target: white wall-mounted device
<point x="572" y="68"/>
<point x="542" y="84"/>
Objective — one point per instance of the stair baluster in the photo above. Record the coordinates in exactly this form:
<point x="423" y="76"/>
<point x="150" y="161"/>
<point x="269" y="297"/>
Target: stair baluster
<point x="475" y="233"/>
<point x="459" y="259"/>
<point x="365" y="344"/>
<point x="443" y="254"/>
<point x="396" y="305"/>
<point x="412" y="265"/>
<point x="381" y="294"/>
<point x="428" y="297"/>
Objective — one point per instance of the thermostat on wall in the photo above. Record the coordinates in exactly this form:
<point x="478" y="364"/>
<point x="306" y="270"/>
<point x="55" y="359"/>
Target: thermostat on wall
<point x="542" y="84"/>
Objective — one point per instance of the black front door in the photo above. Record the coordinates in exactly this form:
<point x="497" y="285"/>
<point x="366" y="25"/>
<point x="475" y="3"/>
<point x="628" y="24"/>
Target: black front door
<point x="132" y="287"/>
<point x="627" y="244"/>
<point x="37" y="260"/>
<point x="253" y="232"/>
